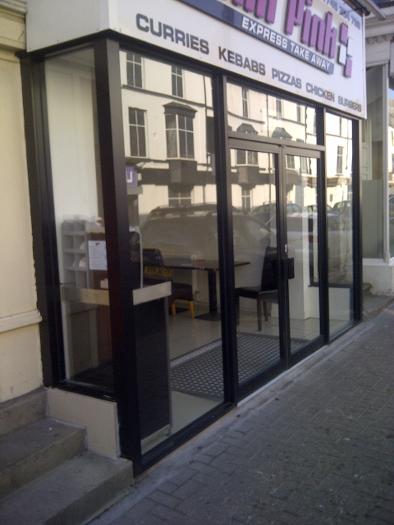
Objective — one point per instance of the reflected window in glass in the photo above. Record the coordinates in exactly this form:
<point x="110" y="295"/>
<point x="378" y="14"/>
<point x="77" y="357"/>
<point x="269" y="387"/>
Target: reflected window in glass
<point x="137" y="132"/>
<point x="177" y="81"/>
<point x="340" y="160"/>
<point x="134" y="70"/>
<point x="245" y="103"/>
<point x="290" y="162"/>
<point x="269" y="116"/>
<point x="246" y="157"/>
<point x="180" y="139"/>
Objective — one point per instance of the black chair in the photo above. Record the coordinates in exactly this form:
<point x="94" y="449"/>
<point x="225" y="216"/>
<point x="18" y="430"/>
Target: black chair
<point x="266" y="292"/>
<point x="156" y="271"/>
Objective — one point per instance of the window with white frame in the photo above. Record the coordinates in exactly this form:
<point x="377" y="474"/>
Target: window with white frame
<point x="247" y="157"/>
<point x="245" y="102"/>
<point x="134" y="69"/>
<point x="177" y="81"/>
<point x="299" y="113"/>
<point x="340" y="159"/>
<point x="137" y="132"/>
<point x="279" y="108"/>
<point x="305" y="165"/>
<point x="290" y="162"/>
<point x="179" y="198"/>
<point x="180" y="135"/>
<point x="246" y="199"/>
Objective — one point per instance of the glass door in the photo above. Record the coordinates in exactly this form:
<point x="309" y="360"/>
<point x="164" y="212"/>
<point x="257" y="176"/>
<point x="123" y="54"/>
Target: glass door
<point x="274" y="192"/>
<point x="254" y="193"/>
<point x="300" y="190"/>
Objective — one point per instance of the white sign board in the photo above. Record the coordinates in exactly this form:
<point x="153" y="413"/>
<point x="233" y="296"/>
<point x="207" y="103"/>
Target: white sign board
<point x="312" y="48"/>
<point x="97" y="255"/>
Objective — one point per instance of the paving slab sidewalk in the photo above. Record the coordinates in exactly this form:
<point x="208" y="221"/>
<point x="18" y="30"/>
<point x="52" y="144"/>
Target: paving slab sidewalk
<point x="315" y="446"/>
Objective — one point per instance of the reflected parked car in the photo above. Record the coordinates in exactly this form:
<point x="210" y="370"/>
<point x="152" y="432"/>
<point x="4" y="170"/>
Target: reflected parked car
<point x="191" y="231"/>
<point x="266" y="213"/>
<point x="187" y="230"/>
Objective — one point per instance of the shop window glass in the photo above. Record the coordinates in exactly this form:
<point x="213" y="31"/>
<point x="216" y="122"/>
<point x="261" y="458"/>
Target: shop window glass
<point x="172" y="212"/>
<point x="372" y="165"/>
<point x="269" y="116"/>
<point x="80" y="225"/>
<point x="134" y="70"/>
<point x="339" y="220"/>
<point x="137" y="132"/>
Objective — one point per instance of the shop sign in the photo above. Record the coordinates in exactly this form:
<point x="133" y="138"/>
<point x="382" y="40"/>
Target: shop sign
<point x="313" y="48"/>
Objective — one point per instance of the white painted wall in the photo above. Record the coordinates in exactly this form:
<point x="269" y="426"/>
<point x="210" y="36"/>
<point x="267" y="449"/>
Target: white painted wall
<point x="20" y="356"/>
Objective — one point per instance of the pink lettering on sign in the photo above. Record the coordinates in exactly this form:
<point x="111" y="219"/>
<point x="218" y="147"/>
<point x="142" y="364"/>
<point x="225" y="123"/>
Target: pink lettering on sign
<point x="265" y="9"/>
<point x="316" y="32"/>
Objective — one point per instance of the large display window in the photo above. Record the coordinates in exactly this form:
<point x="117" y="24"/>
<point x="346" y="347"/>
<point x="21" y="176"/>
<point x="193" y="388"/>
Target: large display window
<point x="203" y="235"/>
<point x="79" y="218"/>
<point x="172" y="210"/>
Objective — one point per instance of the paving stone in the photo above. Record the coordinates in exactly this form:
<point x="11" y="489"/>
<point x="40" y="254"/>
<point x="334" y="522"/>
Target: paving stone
<point x="315" y="448"/>
<point x="165" y="499"/>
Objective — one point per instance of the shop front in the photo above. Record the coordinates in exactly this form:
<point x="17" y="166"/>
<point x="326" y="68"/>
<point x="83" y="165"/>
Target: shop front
<point x="194" y="169"/>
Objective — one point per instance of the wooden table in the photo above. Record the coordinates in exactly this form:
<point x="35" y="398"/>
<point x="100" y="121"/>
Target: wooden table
<point x="209" y="266"/>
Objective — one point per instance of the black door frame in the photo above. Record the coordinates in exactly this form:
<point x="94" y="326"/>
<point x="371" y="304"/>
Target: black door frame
<point x="279" y="152"/>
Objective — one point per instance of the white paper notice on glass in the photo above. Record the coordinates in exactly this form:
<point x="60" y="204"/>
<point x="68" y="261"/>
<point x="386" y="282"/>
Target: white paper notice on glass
<point x="97" y="255"/>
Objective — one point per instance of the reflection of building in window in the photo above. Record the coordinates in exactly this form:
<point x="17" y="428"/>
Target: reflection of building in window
<point x="245" y="103"/>
<point x="279" y="108"/>
<point x="340" y="159"/>
<point x="305" y="165"/>
<point x="179" y="198"/>
<point x="137" y="132"/>
<point x="246" y="157"/>
<point x="246" y="199"/>
<point x="210" y="140"/>
<point x="299" y="113"/>
<point x="179" y="131"/>
<point x="177" y="81"/>
<point x="290" y="162"/>
<point x="134" y="69"/>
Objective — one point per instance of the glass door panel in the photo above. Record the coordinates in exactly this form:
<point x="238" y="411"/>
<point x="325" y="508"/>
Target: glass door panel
<point x="302" y="241"/>
<point x="171" y="195"/>
<point x="253" y="190"/>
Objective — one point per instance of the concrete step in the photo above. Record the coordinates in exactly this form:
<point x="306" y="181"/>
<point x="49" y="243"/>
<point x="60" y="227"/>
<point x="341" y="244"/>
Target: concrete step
<point x="34" y="449"/>
<point x="71" y="494"/>
<point x="21" y="411"/>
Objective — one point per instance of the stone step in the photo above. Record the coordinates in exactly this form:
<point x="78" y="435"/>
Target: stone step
<point x="71" y="494"/>
<point x="34" y="449"/>
<point x="21" y="411"/>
